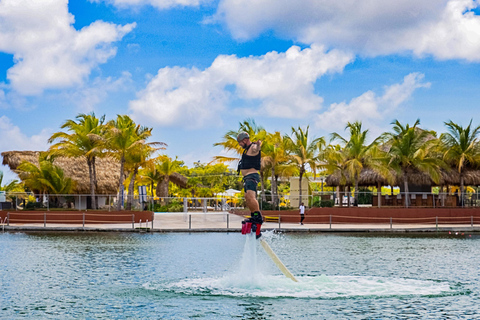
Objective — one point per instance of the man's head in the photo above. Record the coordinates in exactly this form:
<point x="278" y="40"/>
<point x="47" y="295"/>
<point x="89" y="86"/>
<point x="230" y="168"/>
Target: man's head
<point x="243" y="138"/>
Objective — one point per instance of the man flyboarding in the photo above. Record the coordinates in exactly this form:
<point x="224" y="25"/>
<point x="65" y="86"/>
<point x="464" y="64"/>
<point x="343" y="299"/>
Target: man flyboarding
<point x="249" y="166"/>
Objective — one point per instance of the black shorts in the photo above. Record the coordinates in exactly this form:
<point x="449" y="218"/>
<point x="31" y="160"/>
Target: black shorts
<point x="250" y="182"/>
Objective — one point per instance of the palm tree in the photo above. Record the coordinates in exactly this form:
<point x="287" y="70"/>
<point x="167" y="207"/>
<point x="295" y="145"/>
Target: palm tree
<point x="12" y="186"/>
<point x="166" y="167"/>
<point x="84" y="138"/>
<point x="45" y="178"/>
<point x="412" y="149"/>
<point x="149" y="174"/>
<point x="124" y="136"/>
<point x="9" y="188"/>
<point x="357" y="153"/>
<point x="135" y="159"/>
<point x="229" y="142"/>
<point x="334" y="161"/>
<point x="461" y="149"/>
<point x="303" y="152"/>
<point x="274" y="155"/>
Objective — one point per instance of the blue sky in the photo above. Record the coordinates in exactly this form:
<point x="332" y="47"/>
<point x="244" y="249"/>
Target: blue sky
<point x="193" y="69"/>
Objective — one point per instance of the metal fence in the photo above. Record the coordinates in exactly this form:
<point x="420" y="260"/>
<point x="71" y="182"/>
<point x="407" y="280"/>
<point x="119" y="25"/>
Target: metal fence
<point x="398" y="199"/>
<point x="29" y="201"/>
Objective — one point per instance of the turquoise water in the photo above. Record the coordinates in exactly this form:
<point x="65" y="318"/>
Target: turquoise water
<point x="228" y="276"/>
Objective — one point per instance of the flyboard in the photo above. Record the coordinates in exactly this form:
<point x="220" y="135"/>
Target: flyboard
<point x="249" y="227"/>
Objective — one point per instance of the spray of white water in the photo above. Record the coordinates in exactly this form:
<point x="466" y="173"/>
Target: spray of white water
<point x="254" y="278"/>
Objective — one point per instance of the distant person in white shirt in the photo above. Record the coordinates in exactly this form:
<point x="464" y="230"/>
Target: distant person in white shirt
<point x="302" y="213"/>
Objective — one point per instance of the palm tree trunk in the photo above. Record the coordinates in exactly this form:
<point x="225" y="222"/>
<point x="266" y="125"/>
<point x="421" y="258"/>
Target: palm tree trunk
<point x="339" y="197"/>
<point x="92" y="184"/>
<point x="462" y="186"/>
<point x="347" y="192"/>
<point x="262" y="187"/>
<point x="120" y="184"/>
<point x="162" y="187"/>
<point x="405" y="184"/>
<point x="94" y="168"/>
<point x="356" y="193"/>
<point x="300" y="188"/>
<point x="379" y="194"/>
<point x="274" y="188"/>
<point x="131" y="190"/>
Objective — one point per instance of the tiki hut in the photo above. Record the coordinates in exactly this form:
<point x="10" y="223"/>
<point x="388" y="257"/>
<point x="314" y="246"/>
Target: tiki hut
<point x="107" y="169"/>
<point x="76" y="168"/>
<point x="369" y="177"/>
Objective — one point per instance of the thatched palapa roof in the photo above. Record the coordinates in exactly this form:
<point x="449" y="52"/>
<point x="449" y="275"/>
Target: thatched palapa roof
<point x="369" y="177"/>
<point x="107" y="170"/>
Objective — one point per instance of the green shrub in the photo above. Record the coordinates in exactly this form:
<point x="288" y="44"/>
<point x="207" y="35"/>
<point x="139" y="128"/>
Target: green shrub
<point x="33" y="205"/>
<point x="326" y="203"/>
<point x="323" y="203"/>
<point x="365" y="196"/>
<point x="174" y="206"/>
<point x="267" y="206"/>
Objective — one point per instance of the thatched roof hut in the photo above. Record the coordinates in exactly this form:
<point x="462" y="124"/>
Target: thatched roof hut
<point x="369" y="177"/>
<point x="76" y="168"/>
<point x="107" y="169"/>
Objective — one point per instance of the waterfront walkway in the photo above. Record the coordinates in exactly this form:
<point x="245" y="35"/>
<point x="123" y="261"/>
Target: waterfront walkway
<point x="226" y="222"/>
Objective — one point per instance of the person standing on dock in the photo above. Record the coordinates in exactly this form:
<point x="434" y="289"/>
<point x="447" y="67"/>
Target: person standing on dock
<point x="249" y="166"/>
<point x="302" y="213"/>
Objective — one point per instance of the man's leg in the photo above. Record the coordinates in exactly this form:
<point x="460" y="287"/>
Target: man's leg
<point x="252" y="204"/>
<point x="251" y="199"/>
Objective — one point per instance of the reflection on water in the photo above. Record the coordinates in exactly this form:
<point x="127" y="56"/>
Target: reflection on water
<point x="254" y="311"/>
<point x="225" y="276"/>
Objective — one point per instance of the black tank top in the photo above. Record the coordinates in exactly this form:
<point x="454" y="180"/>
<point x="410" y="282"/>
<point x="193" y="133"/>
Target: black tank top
<point x="249" y="162"/>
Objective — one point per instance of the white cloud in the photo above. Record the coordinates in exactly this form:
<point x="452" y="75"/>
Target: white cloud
<point x="14" y="139"/>
<point x="370" y="108"/>
<point x="87" y="97"/>
<point x="180" y="96"/>
<point x="446" y="29"/>
<point x="159" y="4"/>
<point x="282" y="84"/>
<point x="48" y="51"/>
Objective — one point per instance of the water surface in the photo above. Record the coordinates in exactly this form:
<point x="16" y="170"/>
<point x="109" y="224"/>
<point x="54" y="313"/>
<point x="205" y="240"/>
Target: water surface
<point x="227" y="276"/>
